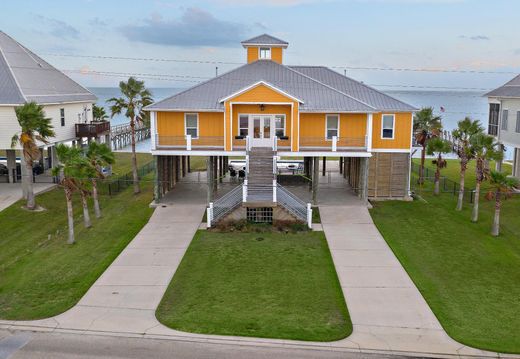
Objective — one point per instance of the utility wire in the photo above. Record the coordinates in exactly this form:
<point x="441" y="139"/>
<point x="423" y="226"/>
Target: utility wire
<point x="402" y="69"/>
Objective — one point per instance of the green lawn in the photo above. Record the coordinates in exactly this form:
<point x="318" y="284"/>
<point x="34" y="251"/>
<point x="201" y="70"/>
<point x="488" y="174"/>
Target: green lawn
<point x="123" y="163"/>
<point x="469" y="278"/>
<point x="271" y="285"/>
<point x="452" y="171"/>
<point x="40" y="275"/>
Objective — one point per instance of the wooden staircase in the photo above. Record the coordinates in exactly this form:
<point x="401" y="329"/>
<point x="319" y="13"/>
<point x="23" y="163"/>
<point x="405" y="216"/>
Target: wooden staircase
<point x="261" y="175"/>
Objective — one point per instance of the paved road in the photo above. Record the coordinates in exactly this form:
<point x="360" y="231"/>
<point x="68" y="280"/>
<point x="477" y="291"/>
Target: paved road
<point x="21" y="345"/>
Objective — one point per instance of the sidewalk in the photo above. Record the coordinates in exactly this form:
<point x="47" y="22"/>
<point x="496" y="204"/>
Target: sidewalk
<point x="388" y="312"/>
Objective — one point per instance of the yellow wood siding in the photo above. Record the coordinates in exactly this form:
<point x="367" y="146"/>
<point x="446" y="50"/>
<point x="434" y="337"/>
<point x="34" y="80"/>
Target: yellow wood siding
<point x="402" y="132"/>
<point x="352" y="130"/>
<point x="276" y="54"/>
<point x="261" y="93"/>
<point x="171" y="128"/>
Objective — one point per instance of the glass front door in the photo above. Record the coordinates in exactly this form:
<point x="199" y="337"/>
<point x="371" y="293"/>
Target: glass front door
<point x="260" y="127"/>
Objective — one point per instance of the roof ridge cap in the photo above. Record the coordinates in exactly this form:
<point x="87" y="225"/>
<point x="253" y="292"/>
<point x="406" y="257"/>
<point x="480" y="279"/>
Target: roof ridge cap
<point x="332" y="88"/>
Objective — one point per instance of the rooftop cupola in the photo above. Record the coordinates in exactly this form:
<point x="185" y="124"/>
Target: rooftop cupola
<point x="264" y="47"/>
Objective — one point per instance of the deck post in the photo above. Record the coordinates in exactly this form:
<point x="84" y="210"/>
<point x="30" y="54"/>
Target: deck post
<point x="324" y="169"/>
<point x="188" y="163"/>
<point x="215" y="173"/>
<point x="209" y="169"/>
<point x="315" y="179"/>
<point x="341" y="165"/>
<point x="220" y="169"/>
<point x="363" y="179"/>
<point x="157" y="181"/>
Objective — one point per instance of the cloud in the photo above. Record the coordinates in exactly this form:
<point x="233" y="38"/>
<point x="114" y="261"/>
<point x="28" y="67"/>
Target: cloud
<point x="196" y="27"/>
<point x="475" y="37"/>
<point x="303" y="2"/>
<point x="59" y="28"/>
<point x="97" y="22"/>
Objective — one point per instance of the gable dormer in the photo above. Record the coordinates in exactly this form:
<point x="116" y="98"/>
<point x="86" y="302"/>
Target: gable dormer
<point x="265" y="47"/>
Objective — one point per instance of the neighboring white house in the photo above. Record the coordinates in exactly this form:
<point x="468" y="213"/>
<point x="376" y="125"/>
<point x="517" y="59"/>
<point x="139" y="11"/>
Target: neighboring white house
<point x="504" y="118"/>
<point x="25" y="77"/>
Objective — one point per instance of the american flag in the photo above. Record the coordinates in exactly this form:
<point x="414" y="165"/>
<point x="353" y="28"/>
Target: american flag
<point x="443" y="109"/>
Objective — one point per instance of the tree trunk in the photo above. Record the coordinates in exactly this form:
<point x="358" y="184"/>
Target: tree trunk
<point x="495" y="231"/>
<point x="436" y="189"/>
<point x="421" y="167"/>
<point x="28" y="178"/>
<point x="474" y="215"/>
<point x="97" y="209"/>
<point x="86" y="215"/>
<point x="134" y="158"/>
<point x="70" y="216"/>
<point x="460" y="200"/>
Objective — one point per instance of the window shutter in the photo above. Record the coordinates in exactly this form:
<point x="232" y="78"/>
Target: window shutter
<point x="518" y="121"/>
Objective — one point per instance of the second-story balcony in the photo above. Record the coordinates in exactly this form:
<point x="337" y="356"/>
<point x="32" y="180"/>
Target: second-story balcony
<point x="334" y="144"/>
<point x="92" y="129"/>
<point x="189" y="143"/>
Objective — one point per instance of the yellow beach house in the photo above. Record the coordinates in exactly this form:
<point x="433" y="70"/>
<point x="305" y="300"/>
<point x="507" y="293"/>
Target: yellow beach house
<point x="266" y="110"/>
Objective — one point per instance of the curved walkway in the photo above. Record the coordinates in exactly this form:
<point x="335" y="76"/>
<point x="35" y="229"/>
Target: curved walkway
<point x="387" y="310"/>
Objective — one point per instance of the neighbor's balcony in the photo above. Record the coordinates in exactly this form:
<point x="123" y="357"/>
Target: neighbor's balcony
<point x="190" y="143"/>
<point x="92" y="129"/>
<point x="335" y="144"/>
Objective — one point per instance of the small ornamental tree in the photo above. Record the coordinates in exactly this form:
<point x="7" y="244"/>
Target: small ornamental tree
<point x="437" y="147"/>
<point x="501" y="188"/>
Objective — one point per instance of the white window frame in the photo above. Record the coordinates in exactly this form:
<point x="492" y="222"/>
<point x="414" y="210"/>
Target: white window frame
<point x="186" y="124"/>
<point x="504" y="125"/>
<point x="284" y="125"/>
<point x="382" y="126"/>
<point x="247" y="126"/>
<point x="260" y="53"/>
<point x="327" y="125"/>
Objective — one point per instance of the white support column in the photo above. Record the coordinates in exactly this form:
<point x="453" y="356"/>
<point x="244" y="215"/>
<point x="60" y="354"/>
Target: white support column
<point x="244" y="191"/>
<point x="334" y="143"/>
<point x="309" y="215"/>
<point x="153" y="131"/>
<point x="369" y="132"/>
<point x="274" y="191"/>
<point x="188" y="142"/>
<point x="209" y="215"/>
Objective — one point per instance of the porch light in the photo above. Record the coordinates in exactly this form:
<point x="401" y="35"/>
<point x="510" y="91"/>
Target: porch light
<point x="262" y="107"/>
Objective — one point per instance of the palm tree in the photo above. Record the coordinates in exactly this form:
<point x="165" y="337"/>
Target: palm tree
<point x="485" y="149"/>
<point x="501" y="187"/>
<point x="71" y="170"/>
<point x="135" y="98"/>
<point x="99" y="114"/>
<point x="465" y="130"/>
<point x="99" y="156"/>
<point x="425" y="127"/>
<point x="34" y="127"/>
<point x="438" y="146"/>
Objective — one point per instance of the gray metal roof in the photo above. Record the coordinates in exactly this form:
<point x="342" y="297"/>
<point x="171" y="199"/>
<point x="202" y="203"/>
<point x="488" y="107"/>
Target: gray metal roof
<point x="510" y="89"/>
<point x="356" y="89"/>
<point x="315" y="95"/>
<point x="265" y="39"/>
<point x="26" y="77"/>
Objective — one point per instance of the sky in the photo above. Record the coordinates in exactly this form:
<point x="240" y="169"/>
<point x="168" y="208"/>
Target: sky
<point x="415" y="34"/>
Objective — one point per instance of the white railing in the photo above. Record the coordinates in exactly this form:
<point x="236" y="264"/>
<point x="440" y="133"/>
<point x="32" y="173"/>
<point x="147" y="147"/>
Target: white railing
<point x="188" y="142"/>
<point x="334" y="143"/>
<point x="224" y="205"/>
<point x="294" y="205"/>
<point x="248" y="143"/>
<point x="275" y="143"/>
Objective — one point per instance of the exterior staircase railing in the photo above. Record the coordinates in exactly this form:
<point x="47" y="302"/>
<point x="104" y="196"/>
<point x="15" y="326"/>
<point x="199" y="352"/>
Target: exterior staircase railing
<point x="294" y="205"/>
<point x="224" y="205"/>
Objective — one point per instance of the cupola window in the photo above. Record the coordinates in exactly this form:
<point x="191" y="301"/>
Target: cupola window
<point x="265" y="53"/>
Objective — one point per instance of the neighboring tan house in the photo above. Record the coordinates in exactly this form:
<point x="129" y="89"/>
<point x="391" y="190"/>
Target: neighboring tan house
<point x="504" y="118"/>
<point x="266" y="109"/>
<point x="25" y="77"/>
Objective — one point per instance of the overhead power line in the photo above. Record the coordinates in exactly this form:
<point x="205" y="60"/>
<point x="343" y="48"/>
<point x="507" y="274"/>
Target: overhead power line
<point x="402" y="69"/>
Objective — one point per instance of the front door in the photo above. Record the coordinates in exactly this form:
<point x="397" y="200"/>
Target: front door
<point x="260" y="127"/>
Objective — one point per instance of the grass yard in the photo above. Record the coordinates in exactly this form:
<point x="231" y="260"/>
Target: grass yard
<point x="452" y="171"/>
<point x="41" y="275"/>
<point x="123" y="163"/>
<point x="469" y="278"/>
<point x="283" y="286"/>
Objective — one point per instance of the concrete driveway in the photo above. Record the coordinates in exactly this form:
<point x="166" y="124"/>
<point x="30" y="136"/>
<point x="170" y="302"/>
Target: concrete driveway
<point x="12" y="192"/>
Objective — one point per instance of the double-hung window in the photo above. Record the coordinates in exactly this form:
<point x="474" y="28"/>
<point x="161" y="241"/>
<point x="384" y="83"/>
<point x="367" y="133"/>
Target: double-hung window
<point x="505" y="118"/>
<point x="243" y="125"/>
<point x="279" y="123"/>
<point x="387" y="126"/>
<point x="191" y="121"/>
<point x="265" y="53"/>
<point x="332" y="126"/>
<point x="62" y="116"/>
